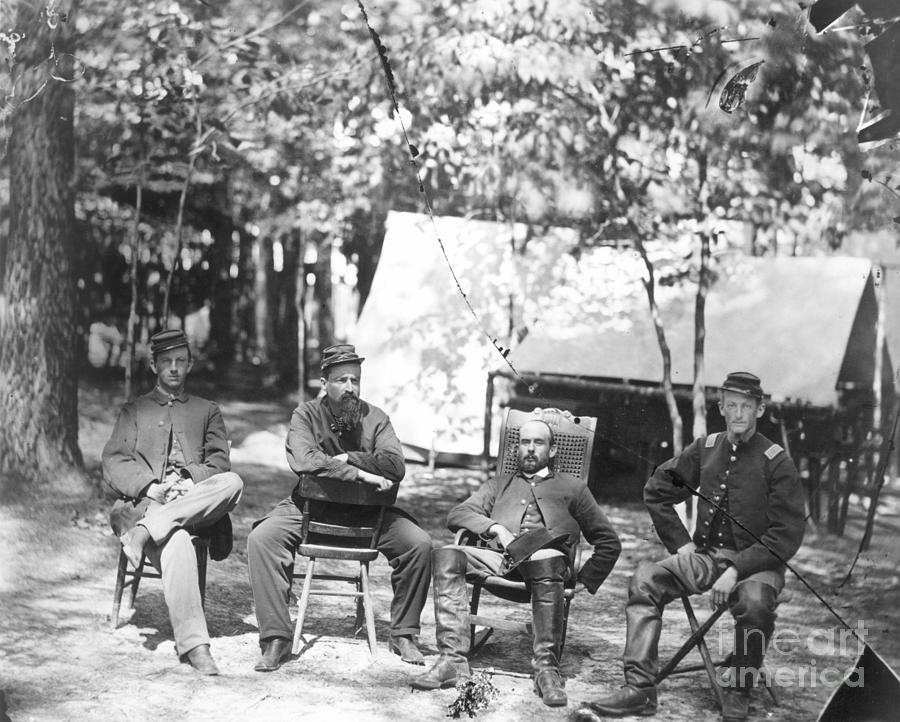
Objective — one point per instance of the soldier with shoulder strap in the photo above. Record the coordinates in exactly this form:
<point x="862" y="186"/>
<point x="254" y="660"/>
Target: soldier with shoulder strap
<point x="749" y="518"/>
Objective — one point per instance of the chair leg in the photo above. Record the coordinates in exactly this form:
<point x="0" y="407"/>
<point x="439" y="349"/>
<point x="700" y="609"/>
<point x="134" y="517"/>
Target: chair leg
<point x="120" y="588"/>
<point x="131" y="589"/>
<point x="477" y="641"/>
<point x="202" y="551"/>
<point x="565" y="626"/>
<point x="360" y="622"/>
<point x="692" y="641"/>
<point x="367" y="604"/>
<point x="301" y="605"/>
<point x="702" y="648"/>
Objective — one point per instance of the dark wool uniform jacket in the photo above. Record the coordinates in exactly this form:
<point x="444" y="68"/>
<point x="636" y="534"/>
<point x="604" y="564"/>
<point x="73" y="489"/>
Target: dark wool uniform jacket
<point x="566" y="505"/>
<point x="136" y="453"/>
<point x="764" y="495"/>
<point x="372" y="446"/>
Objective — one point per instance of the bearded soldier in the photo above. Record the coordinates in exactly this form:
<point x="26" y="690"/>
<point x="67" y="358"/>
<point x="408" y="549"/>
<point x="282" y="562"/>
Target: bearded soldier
<point x="341" y="437"/>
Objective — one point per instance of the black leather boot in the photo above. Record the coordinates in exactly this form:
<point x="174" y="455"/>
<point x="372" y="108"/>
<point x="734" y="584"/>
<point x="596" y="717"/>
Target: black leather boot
<point x="451" y="613"/>
<point x="749" y="648"/>
<point x="546" y="577"/>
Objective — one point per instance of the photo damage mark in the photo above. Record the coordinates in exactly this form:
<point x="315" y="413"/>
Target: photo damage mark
<point x="733" y="94"/>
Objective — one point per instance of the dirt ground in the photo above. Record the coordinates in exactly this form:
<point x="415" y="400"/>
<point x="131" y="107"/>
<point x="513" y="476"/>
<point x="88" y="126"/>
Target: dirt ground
<point x="59" y="659"/>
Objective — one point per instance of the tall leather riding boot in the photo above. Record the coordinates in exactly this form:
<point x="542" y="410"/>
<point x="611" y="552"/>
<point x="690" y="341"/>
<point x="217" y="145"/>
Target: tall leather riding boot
<point x="451" y="603"/>
<point x="546" y="577"/>
<point x="749" y="649"/>
<point x="754" y="615"/>
<point x="643" y="618"/>
<point x="451" y="613"/>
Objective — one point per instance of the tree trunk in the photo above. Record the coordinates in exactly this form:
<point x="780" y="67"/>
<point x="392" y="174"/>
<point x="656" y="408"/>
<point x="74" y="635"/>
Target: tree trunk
<point x="668" y="392"/>
<point x="323" y="293"/>
<point x="698" y="391"/>
<point x="262" y="258"/>
<point x="132" y="308"/>
<point x="286" y="311"/>
<point x="878" y="277"/>
<point x="300" y="306"/>
<point x="38" y="377"/>
<point x="221" y="257"/>
<point x="699" y="388"/>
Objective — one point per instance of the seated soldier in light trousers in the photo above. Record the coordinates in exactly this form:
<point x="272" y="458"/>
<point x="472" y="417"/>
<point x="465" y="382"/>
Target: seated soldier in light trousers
<point x="168" y="461"/>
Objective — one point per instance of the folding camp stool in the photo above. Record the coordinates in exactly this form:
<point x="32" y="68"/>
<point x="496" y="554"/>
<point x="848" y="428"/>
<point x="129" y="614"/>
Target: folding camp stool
<point x="698" y="639"/>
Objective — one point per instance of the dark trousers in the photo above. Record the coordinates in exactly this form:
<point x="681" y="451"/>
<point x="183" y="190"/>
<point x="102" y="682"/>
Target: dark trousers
<point x="655" y="584"/>
<point x="271" y="547"/>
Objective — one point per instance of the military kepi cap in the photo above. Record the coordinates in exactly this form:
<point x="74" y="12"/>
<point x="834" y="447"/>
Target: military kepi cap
<point x="743" y="382"/>
<point x="167" y="340"/>
<point x="342" y="353"/>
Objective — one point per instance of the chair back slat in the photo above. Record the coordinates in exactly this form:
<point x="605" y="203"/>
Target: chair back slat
<point x="356" y="532"/>
<point x="338" y="491"/>
<point x="574" y="440"/>
<point x="327" y="504"/>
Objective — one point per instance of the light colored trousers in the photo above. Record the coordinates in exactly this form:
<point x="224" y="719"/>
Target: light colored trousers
<point x="172" y="552"/>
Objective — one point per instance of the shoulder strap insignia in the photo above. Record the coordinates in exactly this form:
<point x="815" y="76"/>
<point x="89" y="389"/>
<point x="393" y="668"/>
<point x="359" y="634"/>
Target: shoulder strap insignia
<point x="773" y="451"/>
<point x="711" y="440"/>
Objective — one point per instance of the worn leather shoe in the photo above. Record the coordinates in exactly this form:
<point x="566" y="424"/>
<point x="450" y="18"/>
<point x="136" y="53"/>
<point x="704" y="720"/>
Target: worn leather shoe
<point x="735" y="705"/>
<point x="407" y="649"/>
<point x="548" y="685"/>
<point x="201" y="660"/>
<point x="444" y="674"/>
<point x="275" y="652"/>
<point x="627" y="701"/>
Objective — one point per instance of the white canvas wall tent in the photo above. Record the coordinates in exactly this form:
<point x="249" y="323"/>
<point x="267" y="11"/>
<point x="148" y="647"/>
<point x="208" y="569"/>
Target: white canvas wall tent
<point x="807" y="326"/>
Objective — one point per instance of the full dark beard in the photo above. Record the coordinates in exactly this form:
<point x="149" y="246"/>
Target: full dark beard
<point x="348" y="416"/>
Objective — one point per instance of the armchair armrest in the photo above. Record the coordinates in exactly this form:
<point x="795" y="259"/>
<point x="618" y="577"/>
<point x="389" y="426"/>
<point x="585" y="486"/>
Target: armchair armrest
<point x="467" y="538"/>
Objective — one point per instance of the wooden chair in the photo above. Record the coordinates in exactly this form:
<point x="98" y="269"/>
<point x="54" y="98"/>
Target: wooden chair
<point x="574" y="437"/>
<point x="130" y="578"/>
<point x="324" y="535"/>
<point x="697" y="639"/>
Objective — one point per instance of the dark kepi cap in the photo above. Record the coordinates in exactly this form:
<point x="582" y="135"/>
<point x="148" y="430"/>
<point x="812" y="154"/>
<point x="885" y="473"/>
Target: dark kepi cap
<point x="743" y="382"/>
<point x="341" y="353"/>
<point x="167" y="340"/>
